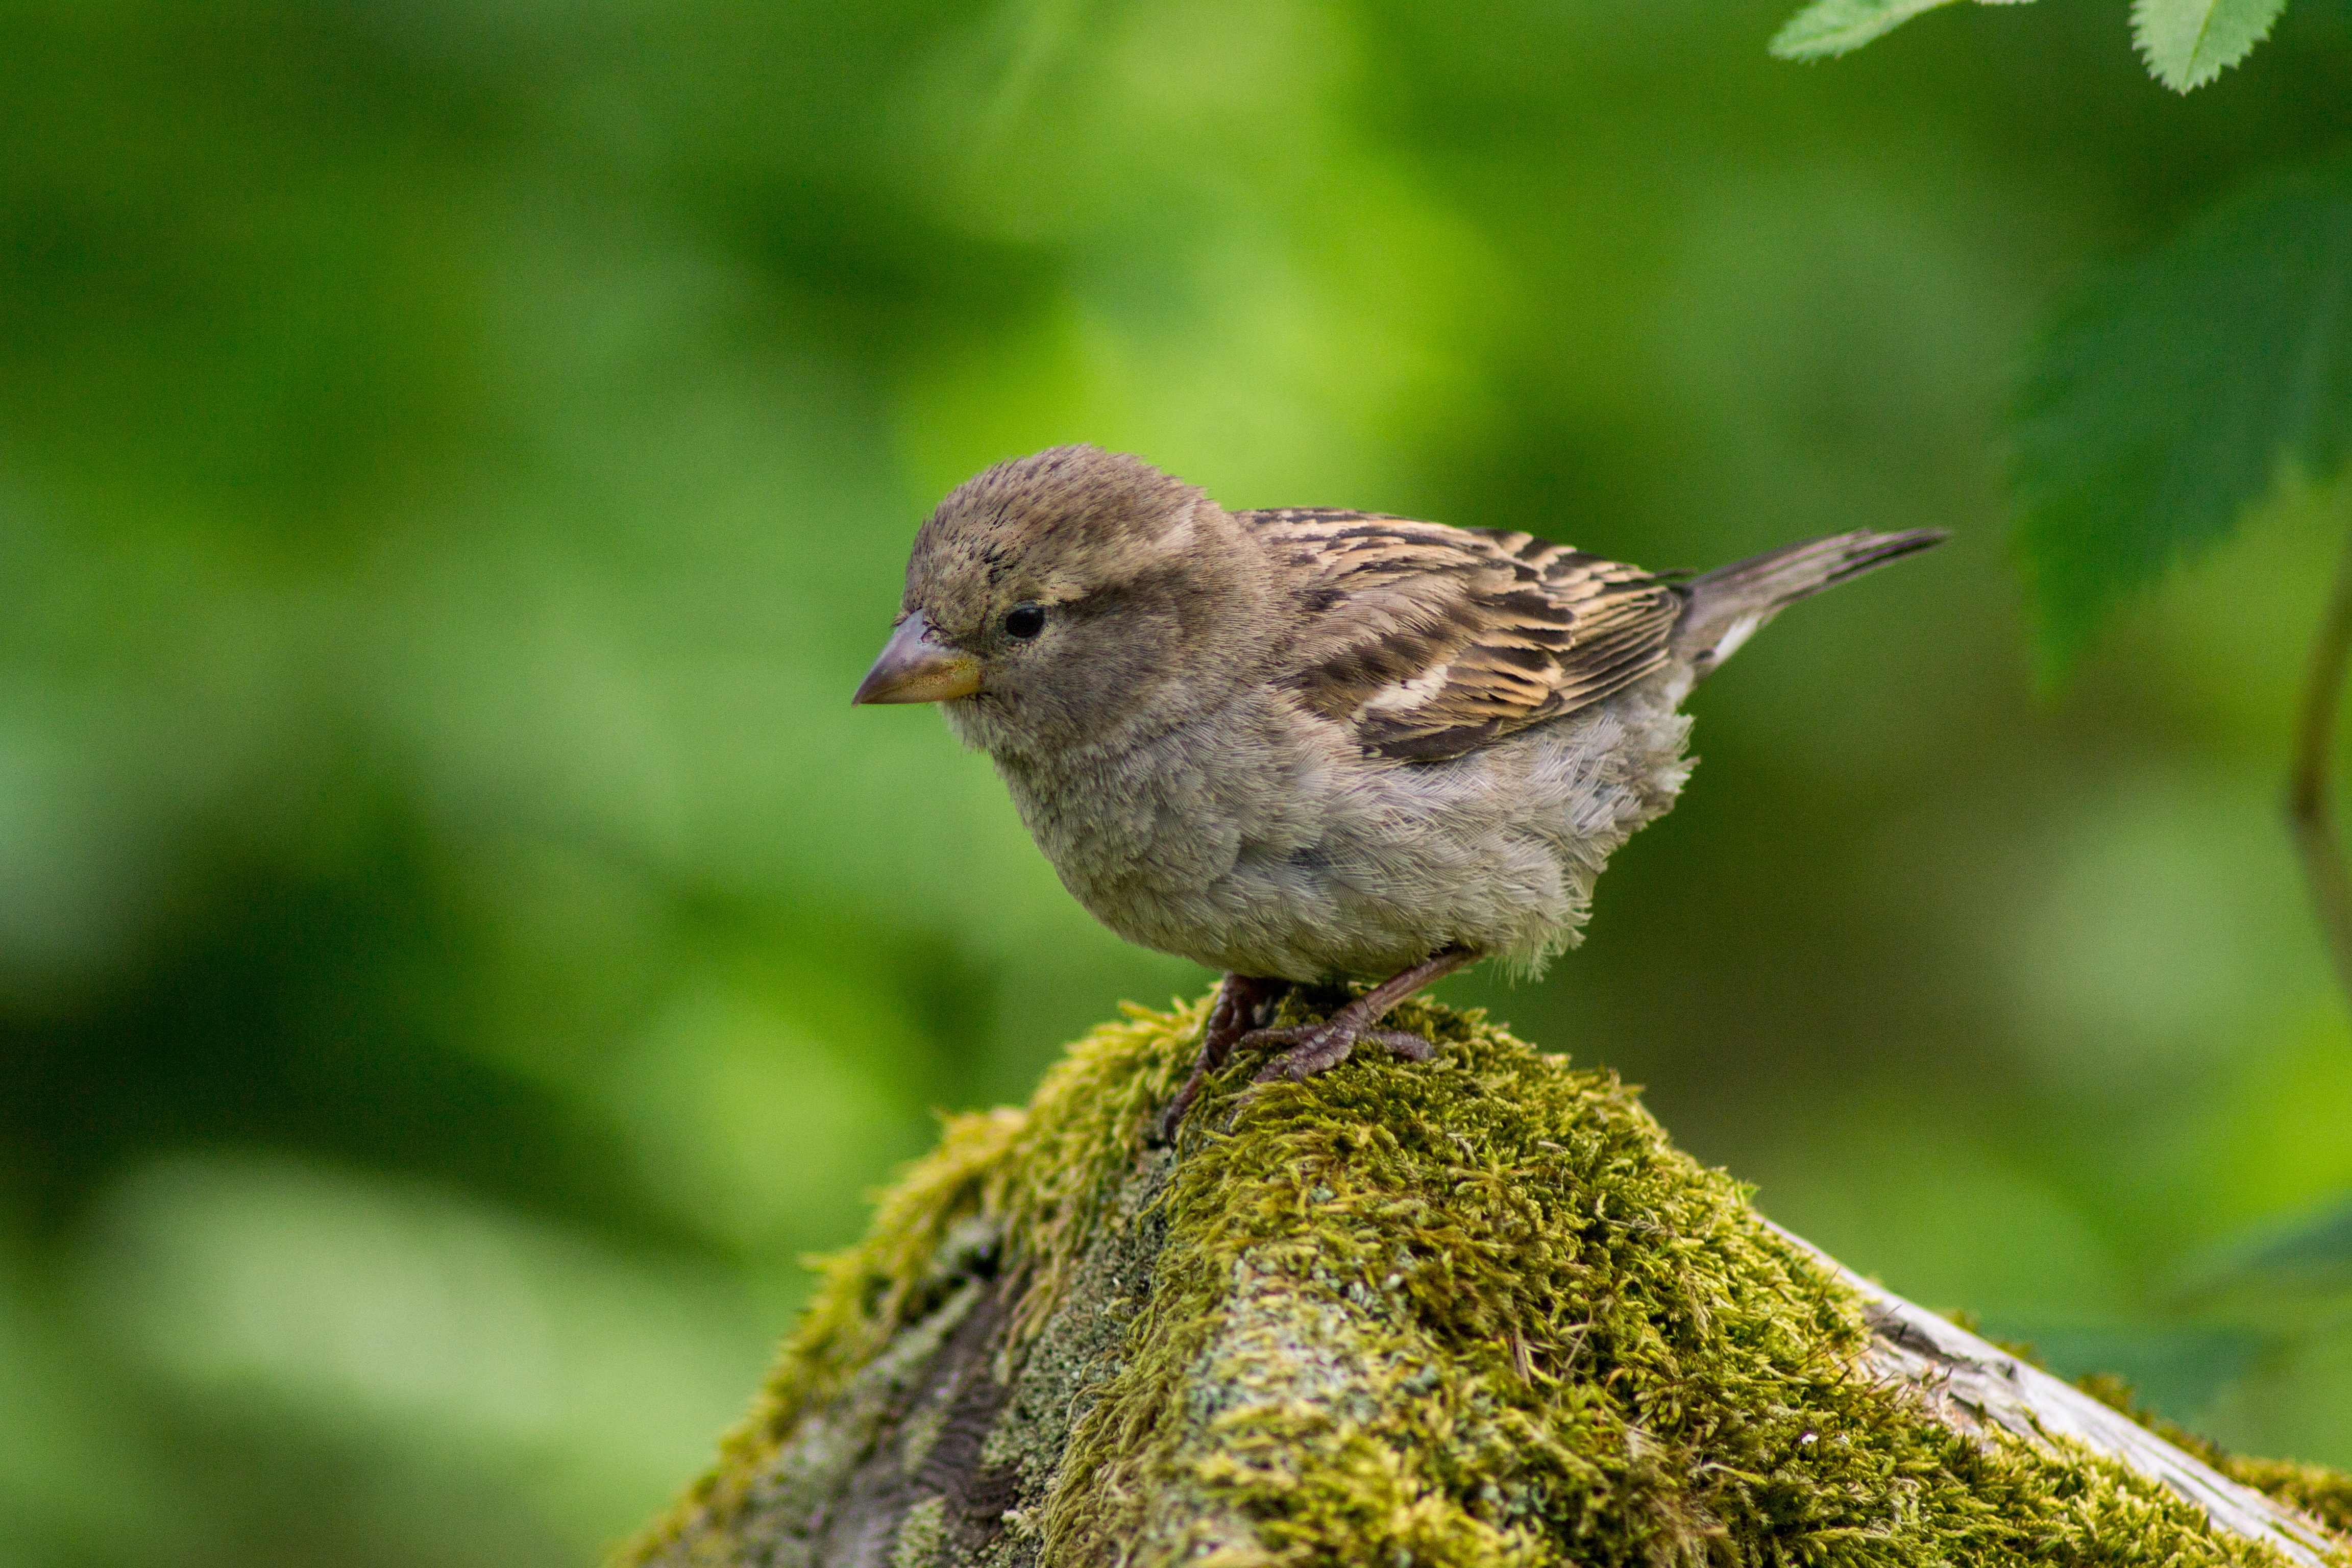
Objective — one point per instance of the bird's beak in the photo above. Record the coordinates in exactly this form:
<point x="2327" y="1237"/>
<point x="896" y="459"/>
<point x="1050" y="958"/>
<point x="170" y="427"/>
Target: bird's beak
<point x="914" y="667"/>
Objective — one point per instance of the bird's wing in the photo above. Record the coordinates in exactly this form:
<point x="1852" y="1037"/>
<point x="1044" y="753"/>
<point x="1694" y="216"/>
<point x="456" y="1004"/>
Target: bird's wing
<point x="1427" y="641"/>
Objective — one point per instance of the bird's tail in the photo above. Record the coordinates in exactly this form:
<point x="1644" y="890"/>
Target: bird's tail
<point x="1725" y="606"/>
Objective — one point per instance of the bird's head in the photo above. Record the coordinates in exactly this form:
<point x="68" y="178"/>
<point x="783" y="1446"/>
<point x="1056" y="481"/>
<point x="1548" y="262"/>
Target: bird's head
<point x="1064" y="599"/>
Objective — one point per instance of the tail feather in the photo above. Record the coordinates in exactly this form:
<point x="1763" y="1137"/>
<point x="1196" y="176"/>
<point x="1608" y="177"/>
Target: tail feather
<point x="1725" y="606"/>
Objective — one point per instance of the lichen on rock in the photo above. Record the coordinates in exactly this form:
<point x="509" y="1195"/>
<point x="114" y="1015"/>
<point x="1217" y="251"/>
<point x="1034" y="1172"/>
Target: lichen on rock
<point x="1474" y="1311"/>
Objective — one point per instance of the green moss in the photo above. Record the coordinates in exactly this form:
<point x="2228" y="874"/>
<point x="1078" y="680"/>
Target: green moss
<point x="1042" y="1176"/>
<point x="923" y="1536"/>
<point x="1476" y="1311"/>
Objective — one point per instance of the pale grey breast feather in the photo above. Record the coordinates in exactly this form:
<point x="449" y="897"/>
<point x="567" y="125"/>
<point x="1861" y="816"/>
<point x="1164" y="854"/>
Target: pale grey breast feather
<point x="1426" y="641"/>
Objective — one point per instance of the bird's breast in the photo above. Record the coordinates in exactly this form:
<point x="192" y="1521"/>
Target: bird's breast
<point x="1167" y="841"/>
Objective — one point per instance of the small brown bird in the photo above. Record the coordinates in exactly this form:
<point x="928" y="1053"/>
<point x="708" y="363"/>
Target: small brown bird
<point x="1307" y="744"/>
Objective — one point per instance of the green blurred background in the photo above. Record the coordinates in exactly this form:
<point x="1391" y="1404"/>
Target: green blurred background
<point x="459" y="948"/>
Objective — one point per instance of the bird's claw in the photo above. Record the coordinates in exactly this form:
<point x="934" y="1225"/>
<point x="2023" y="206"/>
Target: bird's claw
<point x="1314" y="1047"/>
<point x="1241" y="1001"/>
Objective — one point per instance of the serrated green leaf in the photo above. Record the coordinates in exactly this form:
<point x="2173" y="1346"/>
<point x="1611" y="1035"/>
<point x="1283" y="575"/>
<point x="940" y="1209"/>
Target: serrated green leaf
<point x="1829" y="27"/>
<point x="2169" y="397"/>
<point x="2187" y="43"/>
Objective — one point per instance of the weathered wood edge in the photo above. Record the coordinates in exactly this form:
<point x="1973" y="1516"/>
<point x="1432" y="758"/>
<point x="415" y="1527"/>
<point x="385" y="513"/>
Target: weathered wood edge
<point x="1973" y="1383"/>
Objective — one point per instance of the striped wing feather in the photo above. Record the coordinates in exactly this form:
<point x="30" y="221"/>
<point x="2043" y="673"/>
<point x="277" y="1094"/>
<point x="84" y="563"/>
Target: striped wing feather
<point x="1429" y="641"/>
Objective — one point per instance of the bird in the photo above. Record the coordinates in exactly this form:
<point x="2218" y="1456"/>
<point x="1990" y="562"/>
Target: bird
<point x="1309" y="744"/>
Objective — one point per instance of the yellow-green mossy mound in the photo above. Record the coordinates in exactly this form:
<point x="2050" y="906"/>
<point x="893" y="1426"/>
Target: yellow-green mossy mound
<point x="1474" y="1311"/>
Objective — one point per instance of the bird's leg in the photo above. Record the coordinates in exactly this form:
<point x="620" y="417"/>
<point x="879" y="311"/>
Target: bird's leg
<point x="1314" y="1047"/>
<point x="1242" y="1002"/>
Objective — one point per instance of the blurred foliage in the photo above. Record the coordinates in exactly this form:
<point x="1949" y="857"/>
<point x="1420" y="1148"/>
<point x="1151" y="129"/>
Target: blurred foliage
<point x="1827" y="28"/>
<point x="457" y="947"/>
<point x="2178" y="391"/>
<point x="2187" y="42"/>
<point x="2175" y="393"/>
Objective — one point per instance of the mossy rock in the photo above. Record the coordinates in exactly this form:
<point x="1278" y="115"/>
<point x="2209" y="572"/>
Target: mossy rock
<point x="1474" y="1311"/>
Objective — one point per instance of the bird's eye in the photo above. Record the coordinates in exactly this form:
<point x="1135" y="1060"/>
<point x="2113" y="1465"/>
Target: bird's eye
<point x="1025" y="621"/>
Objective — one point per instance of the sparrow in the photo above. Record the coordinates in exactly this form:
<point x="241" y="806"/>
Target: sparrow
<point x="1309" y="745"/>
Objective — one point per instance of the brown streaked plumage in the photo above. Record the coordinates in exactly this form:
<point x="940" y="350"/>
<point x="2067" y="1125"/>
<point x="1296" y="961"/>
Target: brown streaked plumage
<point x="1426" y="641"/>
<point x="1300" y="744"/>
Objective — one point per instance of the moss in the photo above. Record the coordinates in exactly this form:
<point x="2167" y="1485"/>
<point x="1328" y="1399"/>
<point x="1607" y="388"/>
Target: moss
<point x="1476" y="1311"/>
<point x="923" y="1536"/>
<point x="1043" y="1175"/>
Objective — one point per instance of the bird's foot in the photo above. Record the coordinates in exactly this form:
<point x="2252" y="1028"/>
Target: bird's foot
<point x="1242" y="1001"/>
<point x="1316" y="1046"/>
